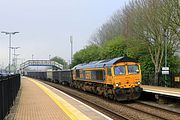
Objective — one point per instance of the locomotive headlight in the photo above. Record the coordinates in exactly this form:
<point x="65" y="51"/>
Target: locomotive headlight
<point x="138" y="82"/>
<point x="117" y="84"/>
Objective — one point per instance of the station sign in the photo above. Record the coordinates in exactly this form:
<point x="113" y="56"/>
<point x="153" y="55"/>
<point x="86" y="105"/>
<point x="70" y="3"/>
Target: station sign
<point x="165" y="70"/>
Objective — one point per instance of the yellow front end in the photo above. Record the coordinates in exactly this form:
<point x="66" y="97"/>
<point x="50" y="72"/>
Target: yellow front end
<point x="126" y="75"/>
<point x="126" y="80"/>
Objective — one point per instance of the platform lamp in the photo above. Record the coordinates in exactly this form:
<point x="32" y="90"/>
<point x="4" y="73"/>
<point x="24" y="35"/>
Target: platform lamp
<point x="14" y="49"/>
<point x="9" y="33"/>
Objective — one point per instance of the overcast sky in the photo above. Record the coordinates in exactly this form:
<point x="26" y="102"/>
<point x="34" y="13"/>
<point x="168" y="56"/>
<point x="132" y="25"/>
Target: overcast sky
<point x="45" y="25"/>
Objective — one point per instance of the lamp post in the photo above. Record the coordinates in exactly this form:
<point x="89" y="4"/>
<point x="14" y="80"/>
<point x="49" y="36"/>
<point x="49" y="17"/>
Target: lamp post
<point x="9" y="33"/>
<point x="15" y="48"/>
<point x="15" y="58"/>
<point x="15" y="61"/>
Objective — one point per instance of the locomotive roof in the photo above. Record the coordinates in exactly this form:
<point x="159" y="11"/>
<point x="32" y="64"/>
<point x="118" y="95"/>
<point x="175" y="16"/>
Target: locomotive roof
<point x="104" y="63"/>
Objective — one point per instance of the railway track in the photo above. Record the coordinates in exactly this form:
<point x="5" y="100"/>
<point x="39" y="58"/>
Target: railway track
<point x="153" y="110"/>
<point x="160" y="108"/>
<point x="117" y="110"/>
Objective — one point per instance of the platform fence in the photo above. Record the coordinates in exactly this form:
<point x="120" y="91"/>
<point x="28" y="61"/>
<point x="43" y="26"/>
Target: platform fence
<point x="170" y="80"/>
<point x="9" y="86"/>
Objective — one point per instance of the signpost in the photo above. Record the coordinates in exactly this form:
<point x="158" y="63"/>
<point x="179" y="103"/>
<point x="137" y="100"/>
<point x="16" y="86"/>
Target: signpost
<point x="165" y="70"/>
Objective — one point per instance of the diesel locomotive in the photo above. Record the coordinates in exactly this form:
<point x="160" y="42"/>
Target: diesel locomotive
<point x="117" y="78"/>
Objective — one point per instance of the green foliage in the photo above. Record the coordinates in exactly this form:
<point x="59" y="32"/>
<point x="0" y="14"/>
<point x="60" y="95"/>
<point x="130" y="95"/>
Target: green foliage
<point x="178" y="64"/>
<point x="116" y="47"/>
<point x="138" y="49"/>
<point x="60" y="61"/>
<point x="113" y="48"/>
<point x="146" y="25"/>
<point x="88" y="54"/>
<point x="174" y="64"/>
<point x="146" y="64"/>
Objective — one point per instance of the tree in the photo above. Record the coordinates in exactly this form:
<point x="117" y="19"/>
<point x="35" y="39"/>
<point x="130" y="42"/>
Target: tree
<point x="154" y="23"/>
<point x="146" y="26"/>
<point x="88" y="54"/>
<point x="60" y="61"/>
<point x="109" y="30"/>
<point x="113" y="48"/>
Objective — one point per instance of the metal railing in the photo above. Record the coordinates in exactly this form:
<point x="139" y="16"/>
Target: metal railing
<point x="9" y="86"/>
<point x="40" y="63"/>
<point x="171" y="80"/>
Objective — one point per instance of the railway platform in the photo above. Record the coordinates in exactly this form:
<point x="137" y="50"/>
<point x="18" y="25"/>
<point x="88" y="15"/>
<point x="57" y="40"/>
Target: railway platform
<point x="165" y="91"/>
<point x="39" y="101"/>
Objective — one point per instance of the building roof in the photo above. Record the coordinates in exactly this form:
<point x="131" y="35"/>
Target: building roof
<point x="104" y="63"/>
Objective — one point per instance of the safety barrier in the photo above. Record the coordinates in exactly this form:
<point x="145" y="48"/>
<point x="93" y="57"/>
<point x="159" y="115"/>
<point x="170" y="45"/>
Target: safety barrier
<point x="9" y="86"/>
<point x="170" y="80"/>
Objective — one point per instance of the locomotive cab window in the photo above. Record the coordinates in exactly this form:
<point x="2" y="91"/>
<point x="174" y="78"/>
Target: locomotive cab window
<point x="119" y="70"/>
<point x="133" y="69"/>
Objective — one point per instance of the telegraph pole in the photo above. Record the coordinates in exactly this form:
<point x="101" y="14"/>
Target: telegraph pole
<point x="49" y="57"/>
<point x="71" y="41"/>
<point x="32" y="56"/>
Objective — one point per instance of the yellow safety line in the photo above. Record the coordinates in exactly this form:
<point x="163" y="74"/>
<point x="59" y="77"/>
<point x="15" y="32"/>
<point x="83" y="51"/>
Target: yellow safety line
<point x="64" y="105"/>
